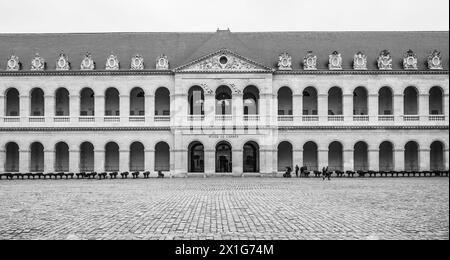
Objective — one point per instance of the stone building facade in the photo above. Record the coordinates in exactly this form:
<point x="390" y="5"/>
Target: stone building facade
<point x="224" y="103"/>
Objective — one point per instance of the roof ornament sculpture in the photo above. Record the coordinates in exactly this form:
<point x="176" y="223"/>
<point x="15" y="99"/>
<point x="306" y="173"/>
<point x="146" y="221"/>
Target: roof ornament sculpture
<point x="435" y="60"/>
<point x="112" y="62"/>
<point x="87" y="63"/>
<point x="13" y="63"/>
<point x="285" y="62"/>
<point x="62" y="63"/>
<point x="137" y="62"/>
<point x="37" y="63"/>
<point x="384" y="60"/>
<point x="410" y="60"/>
<point x="310" y="61"/>
<point x="162" y="63"/>
<point x="335" y="61"/>
<point x="360" y="61"/>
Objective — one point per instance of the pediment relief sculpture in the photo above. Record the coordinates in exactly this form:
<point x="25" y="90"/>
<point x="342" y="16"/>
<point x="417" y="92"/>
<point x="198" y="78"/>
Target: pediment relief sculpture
<point x="410" y="60"/>
<point x="13" y="63"/>
<point x="335" y="61"/>
<point x="384" y="60"/>
<point x="37" y="63"/>
<point x="87" y="63"/>
<point x="62" y="63"/>
<point x="224" y="61"/>
<point x="360" y="61"/>
<point x="310" y="61"/>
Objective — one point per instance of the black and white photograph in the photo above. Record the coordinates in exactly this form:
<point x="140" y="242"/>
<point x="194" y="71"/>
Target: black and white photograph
<point x="255" y="121"/>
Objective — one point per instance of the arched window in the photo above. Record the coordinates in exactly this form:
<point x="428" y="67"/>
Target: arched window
<point x="112" y="157"/>
<point x="12" y="157"/>
<point x="196" y="157"/>
<point x="162" y="157"/>
<point x="224" y="157"/>
<point x="112" y="102"/>
<point x="12" y="102"/>
<point x="335" y="157"/>
<point x="360" y="101"/>
<point x="251" y="157"/>
<point x="385" y="105"/>
<point x="310" y="101"/>
<point x="411" y="156"/>
<point x="251" y="100"/>
<point x="62" y="102"/>
<point x="86" y="157"/>
<point x="137" y="102"/>
<point x="37" y="157"/>
<point x="437" y="162"/>
<point x="411" y="103"/>
<point x="436" y="98"/>
<point x="196" y="101"/>
<point x="37" y="102"/>
<point x="335" y="101"/>
<point x="386" y="156"/>
<point x="284" y="156"/>
<point x="61" y="157"/>
<point x="162" y="102"/>
<point x="223" y="101"/>
<point x="137" y="157"/>
<point x="284" y="101"/>
<point x="87" y="102"/>
<point x="360" y="157"/>
<point x="310" y="156"/>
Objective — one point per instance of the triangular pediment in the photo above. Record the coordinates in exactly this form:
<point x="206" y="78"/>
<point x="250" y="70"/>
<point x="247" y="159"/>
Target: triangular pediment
<point x="223" y="61"/>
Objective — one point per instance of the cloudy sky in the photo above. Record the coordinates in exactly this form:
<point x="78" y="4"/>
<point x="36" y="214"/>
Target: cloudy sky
<point x="207" y="15"/>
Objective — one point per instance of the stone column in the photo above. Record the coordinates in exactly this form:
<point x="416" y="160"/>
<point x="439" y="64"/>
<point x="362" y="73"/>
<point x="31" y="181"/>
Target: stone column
<point x="446" y="106"/>
<point x="238" y="109"/>
<point x="297" y="107"/>
<point x="424" y="106"/>
<point x="347" y="106"/>
<point x="124" y="160"/>
<point x="399" y="159"/>
<point x="349" y="164"/>
<point x="124" y="107"/>
<point x="180" y="162"/>
<point x="237" y="161"/>
<point x="398" y="107"/>
<point x="74" y="107"/>
<point x="265" y="108"/>
<point x="150" y="109"/>
<point x="99" y="160"/>
<point x="322" y="103"/>
<point x="149" y="160"/>
<point x="74" y="160"/>
<point x="297" y="155"/>
<point x="374" y="159"/>
<point x="210" y="162"/>
<point x="25" y="108"/>
<point x="49" y="160"/>
<point x="322" y="157"/>
<point x="49" y="106"/>
<point x="424" y="159"/>
<point x="2" y="160"/>
<point x="24" y="161"/>
<point x="99" y="106"/>
<point x="372" y="104"/>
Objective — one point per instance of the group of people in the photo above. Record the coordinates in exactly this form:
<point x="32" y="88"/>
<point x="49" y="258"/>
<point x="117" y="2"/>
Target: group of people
<point x="326" y="174"/>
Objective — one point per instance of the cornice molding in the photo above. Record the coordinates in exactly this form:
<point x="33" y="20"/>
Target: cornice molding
<point x="81" y="129"/>
<point x="293" y="128"/>
<point x="85" y="73"/>
<point x="363" y="72"/>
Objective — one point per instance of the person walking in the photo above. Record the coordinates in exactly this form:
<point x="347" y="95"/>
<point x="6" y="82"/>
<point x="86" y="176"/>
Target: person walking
<point x="296" y="170"/>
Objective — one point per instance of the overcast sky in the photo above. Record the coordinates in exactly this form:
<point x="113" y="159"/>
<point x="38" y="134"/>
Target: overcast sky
<point x="19" y="16"/>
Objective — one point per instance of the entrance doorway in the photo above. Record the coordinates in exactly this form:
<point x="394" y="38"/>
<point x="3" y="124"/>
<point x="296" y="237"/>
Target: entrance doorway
<point x="196" y="157"/>
<point x="251" y="157"/>
<point x="223" y="157"/>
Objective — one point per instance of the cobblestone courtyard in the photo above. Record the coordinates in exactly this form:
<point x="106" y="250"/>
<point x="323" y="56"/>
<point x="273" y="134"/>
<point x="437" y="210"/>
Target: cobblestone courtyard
<point x="225" y="208"/>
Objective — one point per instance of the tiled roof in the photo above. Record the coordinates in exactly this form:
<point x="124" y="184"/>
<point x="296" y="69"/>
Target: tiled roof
<point x="262" y="47"/>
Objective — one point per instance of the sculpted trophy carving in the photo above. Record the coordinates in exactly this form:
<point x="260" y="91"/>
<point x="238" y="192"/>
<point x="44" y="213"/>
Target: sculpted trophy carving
<point x="87" y="63"/>
<point x="162" y="63"/>
<point x="360" y="61"/>
<point x="13" y="63"/>
<point x="62" y="63"/>
<point x="435" y="60"/>
<point x="385" y="60"/>
<point x="285" y="61"/>
<point x="335" y="61"/>
<point x="38" y="63"/>
<point x="137" y="62"/>
<point x="112" y="62"/>
<point x="310" y="61"/>
<point x="410" y="60"/>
